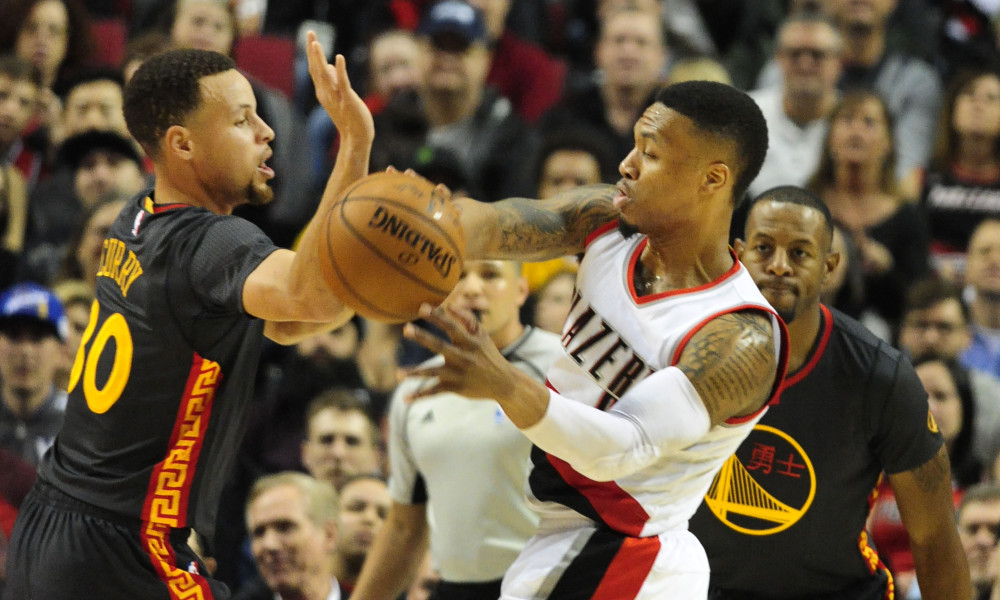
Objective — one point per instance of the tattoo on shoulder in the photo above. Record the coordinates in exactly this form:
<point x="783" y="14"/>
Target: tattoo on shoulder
<point x="731" y="362"/>
<point x="561" y="224"/>
<point x="934" y="473"/>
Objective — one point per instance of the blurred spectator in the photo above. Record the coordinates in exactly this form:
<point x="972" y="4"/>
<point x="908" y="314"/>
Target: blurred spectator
<point x="521" y="71"/>
<point x="963" y="182"/>
<point x="978" y="526"/>
<point x="569" y="158"/>
<point x="982" y="274"/>
<point x="105" y="167"/>
<point x="16" y="479"/>
<point x="631" y="57"/>
<point x="292" y="519"/>
<point x="910" y="87"/>
<point x="553" y="301"/>
<point x="364" y="505"/>
<point x="20" y="93"/>
<point x="857" y="181"/>
<point x="845" y="289"/>
<point x="949" y="395"/>
<point x="13" y="222"/>
<point x="82" y="255"/>
<point x="342" y="439"/>
<point x="33" y="332"/>
<point x="936" y="323"/>
<point x="53" y="35"/>
<point x="211" y="25"/>
<point x="140" y="49"/>
<point x="92" y="101"/>
<point x="454" y="109"/>
<point x="968" y="37"/>
<point x="698" y="68"/>
<point x="808" y="53"/>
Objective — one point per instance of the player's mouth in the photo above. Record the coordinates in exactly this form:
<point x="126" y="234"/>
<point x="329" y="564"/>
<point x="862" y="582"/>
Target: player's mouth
<point x="265" y="170"/>
<point x="622" y="196"/>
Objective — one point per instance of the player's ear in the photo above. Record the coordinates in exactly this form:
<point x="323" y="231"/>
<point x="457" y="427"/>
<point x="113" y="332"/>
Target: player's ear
<point x="831" y="262"/>
<point x="739" y="246"/>
<point x="716" y="177"/>
<point x="179" y="142"/>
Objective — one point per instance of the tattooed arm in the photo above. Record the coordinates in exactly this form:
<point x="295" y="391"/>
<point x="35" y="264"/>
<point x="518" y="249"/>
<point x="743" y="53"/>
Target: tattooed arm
<point x="526" y="229"/>
<point x="731" y="363"/>
<point x="727" y="370"/>
<point x="924" y="497"/>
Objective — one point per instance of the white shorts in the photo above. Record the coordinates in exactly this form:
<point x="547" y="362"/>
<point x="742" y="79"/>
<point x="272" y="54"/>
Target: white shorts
<point x="599" y="564"/>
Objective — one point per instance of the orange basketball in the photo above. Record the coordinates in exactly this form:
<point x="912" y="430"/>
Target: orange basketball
<point x="392" y="243"/>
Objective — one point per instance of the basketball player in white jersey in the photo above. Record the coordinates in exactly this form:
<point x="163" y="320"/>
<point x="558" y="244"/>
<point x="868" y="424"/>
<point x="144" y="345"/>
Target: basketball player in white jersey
<point x="670" y="353"/>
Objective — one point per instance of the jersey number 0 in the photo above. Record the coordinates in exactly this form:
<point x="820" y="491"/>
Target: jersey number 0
<point x="101" y="399"/>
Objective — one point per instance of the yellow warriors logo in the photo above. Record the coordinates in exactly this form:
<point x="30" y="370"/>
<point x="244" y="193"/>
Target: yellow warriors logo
<point x="766" y="487"/>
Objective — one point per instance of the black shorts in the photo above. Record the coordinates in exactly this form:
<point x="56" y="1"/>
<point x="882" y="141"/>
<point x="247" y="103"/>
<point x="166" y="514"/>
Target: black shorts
<point x="62" y="548"/>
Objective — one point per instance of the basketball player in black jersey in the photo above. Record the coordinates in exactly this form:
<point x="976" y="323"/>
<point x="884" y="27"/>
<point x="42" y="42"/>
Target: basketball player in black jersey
<point x="785" y="517"/>
<point x="162" y="379"/>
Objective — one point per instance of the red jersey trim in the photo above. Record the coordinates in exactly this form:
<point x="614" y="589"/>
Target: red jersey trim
<point x="778" y="386"/>
<point x="600" y="231"/>
<point x="826" y="328"/>
<point x="630" y="274"/>
<point x="181" y="584"/>
<point x="166" y="502"/>
<point x="170" y="484"/>
<point x="628" y="569"/>
<point x="615" y="507"/>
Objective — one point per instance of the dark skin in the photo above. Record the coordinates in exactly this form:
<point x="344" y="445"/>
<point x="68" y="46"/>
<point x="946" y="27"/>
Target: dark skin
<point x="677" y="189"/>
<point x="788" y="253"/>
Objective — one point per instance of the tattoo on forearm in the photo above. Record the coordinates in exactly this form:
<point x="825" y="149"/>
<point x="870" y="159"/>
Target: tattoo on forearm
<point x="934" y="473"/>
<point x="529" y="227"/>
<point x="731" y="363"/>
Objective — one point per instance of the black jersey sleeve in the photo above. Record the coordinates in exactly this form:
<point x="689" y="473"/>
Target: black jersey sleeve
<point x="229" y="251"/>
<point x="904" y="437"/>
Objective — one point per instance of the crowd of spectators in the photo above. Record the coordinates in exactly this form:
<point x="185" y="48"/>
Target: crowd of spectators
<point x="888" y="110"/>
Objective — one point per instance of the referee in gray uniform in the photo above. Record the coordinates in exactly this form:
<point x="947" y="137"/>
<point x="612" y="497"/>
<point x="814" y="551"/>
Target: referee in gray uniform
<point x="459" y="468"/>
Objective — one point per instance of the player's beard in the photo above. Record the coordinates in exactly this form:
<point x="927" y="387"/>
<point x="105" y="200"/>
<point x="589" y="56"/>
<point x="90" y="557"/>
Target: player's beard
<point x="626" y="229"/>
<point x="258" y="195"/>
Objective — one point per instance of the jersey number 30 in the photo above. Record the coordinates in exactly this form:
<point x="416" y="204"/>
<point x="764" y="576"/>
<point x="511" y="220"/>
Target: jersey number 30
<point x="101" y="399"/>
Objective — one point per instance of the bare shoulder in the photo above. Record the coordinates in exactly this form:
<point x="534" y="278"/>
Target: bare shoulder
<point x="731" y="362"/>
<point x="528" y="229"/>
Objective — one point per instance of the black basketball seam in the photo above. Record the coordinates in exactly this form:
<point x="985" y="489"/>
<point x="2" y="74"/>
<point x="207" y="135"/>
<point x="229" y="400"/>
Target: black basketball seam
<point x="350" y="288"/>
<point x="377" y="251"/>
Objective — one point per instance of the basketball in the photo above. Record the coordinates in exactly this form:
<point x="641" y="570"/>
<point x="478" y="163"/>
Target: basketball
<point x="392" y="243"/>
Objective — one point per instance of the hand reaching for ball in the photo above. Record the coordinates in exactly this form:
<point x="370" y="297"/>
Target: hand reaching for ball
<point x="334" y="92"/>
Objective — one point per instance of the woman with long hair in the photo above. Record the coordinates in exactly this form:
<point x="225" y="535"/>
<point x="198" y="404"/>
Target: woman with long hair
<point x="856" y="178"/>
<point x="962" y="186"/>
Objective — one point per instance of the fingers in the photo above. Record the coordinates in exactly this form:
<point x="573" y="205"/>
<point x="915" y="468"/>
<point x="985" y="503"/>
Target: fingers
<point x="426" y="339"/>
<point x="343" y="82"/>
<point x="455" y="328"/>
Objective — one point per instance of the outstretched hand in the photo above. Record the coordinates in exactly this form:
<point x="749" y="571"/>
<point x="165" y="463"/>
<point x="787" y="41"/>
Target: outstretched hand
<point x="473" y="367"/>
<point x="334" y="92"/>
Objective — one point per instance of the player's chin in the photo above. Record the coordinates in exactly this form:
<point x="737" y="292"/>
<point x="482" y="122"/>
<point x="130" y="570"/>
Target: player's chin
<point x="259" y="194"/>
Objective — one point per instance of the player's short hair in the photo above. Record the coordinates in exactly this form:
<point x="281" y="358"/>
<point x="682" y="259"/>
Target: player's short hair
<point x="342" y="399"/>
<point x="16" y="68"/>
<point x="791" y="194"/>
<point x="165" y="90"/>
<point x="322" y="500"/>
<point x="727" y="114"/>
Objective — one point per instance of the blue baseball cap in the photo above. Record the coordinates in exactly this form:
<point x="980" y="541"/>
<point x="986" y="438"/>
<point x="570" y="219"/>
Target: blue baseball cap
<point x="30" y="301"/>
<point x="456" y="18"/>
